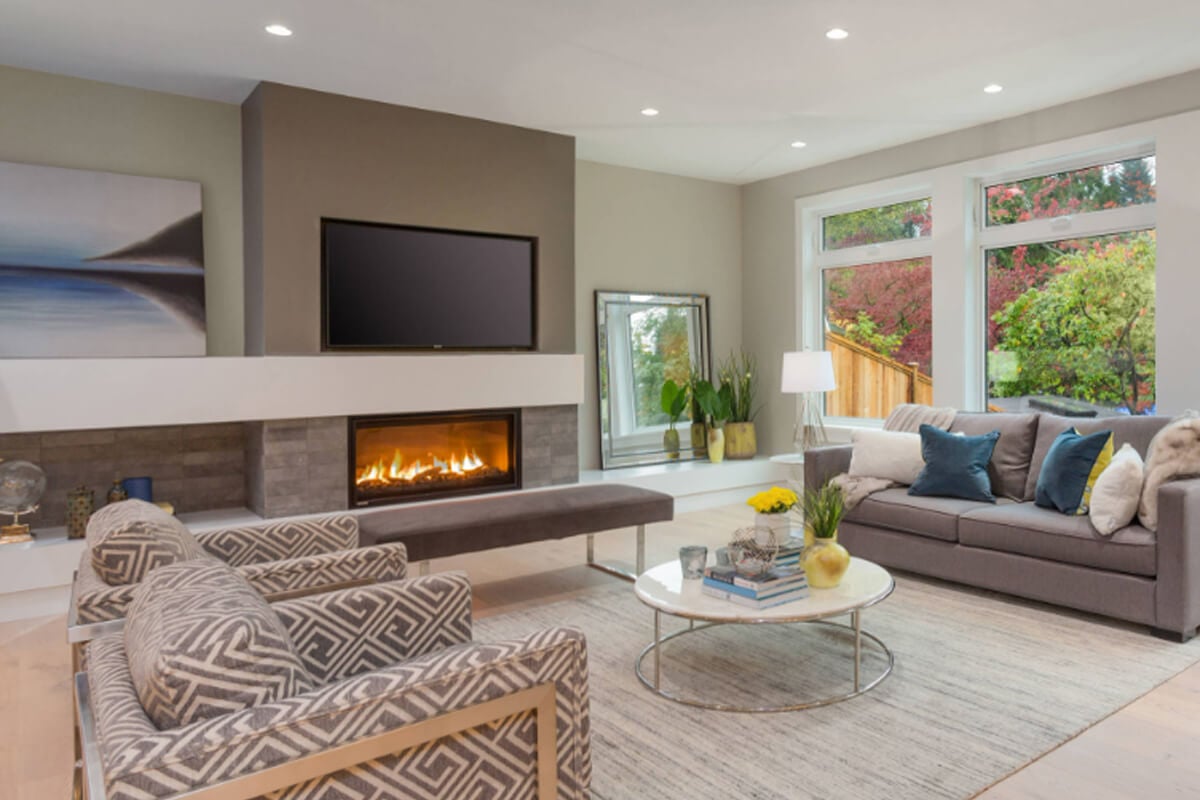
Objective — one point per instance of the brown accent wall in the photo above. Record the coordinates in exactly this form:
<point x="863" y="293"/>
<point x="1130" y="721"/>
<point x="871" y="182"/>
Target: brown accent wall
<point x="308" y="155"/>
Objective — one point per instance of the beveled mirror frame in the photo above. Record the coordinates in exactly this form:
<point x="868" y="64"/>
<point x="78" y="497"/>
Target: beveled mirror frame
<point x="643" y="445"/>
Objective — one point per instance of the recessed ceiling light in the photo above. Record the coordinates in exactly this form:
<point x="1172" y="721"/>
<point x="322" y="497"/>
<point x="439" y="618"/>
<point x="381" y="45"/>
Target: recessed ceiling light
<point x="275" y="29"/>
<point x="993" y="88"/>
<point x="798" y="144"/>
<point x="836" y="33"/>
<point x="649" y="112"/>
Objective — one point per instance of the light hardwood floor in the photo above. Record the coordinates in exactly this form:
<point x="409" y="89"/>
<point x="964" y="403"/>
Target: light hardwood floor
<point x="1149" y="750"/>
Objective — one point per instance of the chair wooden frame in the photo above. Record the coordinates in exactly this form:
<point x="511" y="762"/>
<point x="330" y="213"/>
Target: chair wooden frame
<point x="540" y="699"/>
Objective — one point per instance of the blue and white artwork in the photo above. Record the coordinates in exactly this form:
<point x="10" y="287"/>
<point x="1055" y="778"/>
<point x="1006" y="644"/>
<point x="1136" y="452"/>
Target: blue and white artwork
<point x="95" y="264"/>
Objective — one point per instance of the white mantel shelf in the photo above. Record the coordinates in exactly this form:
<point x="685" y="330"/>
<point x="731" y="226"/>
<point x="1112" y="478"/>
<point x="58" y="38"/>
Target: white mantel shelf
<point x="76" y="394"/>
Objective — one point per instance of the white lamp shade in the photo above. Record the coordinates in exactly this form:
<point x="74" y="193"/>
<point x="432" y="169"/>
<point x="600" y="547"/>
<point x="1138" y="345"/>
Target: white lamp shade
<point x="808" y="371"/>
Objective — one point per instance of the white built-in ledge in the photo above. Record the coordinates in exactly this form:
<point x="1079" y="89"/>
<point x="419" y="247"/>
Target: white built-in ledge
<point x="74" y="394"/>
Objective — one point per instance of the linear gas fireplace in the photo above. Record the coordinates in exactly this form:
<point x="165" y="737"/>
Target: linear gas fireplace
<point x="397" y="459"/>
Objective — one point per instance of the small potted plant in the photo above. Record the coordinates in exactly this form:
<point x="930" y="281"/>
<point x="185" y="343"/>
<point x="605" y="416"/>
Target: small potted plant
<point x="674" y="401"/>
<point x="699" y="431"/>
<point x="740" y="373"/>
<point x="771" y="519"/>
<point x="824" y="561"/>
<point x="716" y="404"/>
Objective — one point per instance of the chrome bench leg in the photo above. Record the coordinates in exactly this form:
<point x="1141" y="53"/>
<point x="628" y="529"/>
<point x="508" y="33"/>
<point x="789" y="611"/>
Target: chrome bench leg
<point x="423" y="567"/>
<point x="639" y="557"/>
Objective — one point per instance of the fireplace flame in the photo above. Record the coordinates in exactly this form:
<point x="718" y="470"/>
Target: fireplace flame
<point x="383" y="472"/>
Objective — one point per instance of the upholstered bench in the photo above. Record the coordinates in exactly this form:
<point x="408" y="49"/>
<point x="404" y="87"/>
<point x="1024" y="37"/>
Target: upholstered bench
<point x="454" y="527"/>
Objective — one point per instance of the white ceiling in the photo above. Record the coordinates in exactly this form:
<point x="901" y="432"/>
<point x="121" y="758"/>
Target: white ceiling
<point x="736" y="80"/>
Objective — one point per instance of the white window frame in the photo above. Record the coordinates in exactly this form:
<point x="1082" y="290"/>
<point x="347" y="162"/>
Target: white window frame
<point x="1084" y="225"/>
<point x="816" y="260"/>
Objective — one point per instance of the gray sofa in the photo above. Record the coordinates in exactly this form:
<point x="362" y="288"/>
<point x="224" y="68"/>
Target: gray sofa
<point x="1018" y="548"/>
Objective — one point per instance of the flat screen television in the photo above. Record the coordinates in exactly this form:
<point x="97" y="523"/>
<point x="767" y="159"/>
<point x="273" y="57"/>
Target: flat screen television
<point x="390" y="287"/>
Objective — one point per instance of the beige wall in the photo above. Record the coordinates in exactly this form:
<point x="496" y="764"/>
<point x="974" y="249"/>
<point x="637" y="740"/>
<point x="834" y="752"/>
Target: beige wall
<point x="657" y="233"/>
<point x="310" y="155"/>
<point x="67" y="122"/>
<point x="769" y="287"/>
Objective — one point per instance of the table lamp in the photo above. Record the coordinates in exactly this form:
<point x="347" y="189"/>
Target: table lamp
<point x="807" y="373"/>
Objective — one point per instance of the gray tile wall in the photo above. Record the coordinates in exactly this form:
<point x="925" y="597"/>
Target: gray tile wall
<point x="277" y="468"/>
<point x="550" y="446"/>
<point x="196" y="467"/>
<point x="297" y="466"/>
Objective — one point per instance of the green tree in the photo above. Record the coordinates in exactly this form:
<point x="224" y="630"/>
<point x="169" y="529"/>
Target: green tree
<point x="1088" y="331"/>
<point x="659" y="343"/>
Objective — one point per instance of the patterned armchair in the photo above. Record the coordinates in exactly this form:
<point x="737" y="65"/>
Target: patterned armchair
<point x="374" y="691"/>
<point x="127" y="540"/>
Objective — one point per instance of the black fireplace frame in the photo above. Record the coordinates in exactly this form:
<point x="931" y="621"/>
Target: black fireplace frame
<point x="512" y="415"/>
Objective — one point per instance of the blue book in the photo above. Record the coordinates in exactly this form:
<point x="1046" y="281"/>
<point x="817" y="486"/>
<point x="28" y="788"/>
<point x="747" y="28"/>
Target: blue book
<point x="750" y="602"/>
<point x="778" y="575"/>
<point x="755" y="594"/>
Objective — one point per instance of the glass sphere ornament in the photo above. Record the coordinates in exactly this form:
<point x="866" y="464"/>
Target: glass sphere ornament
<point x="22" y="485"/>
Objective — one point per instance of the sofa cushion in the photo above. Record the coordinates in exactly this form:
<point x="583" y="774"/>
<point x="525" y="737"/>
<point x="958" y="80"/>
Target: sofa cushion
<point x="955" y="465"/>
<point x="1025" y="529"/>
<point x="1070" y="470"/>
<point x="130" y="538"/>
<point x="897" y="510"/>
<point x="894" y="455"/>
<point x="1008" y="468"/>
<point x="201" y="643"/>
<point x="1137" y="431"/>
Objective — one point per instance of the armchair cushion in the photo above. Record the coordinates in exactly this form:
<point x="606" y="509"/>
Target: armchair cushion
<point x="202" y="643"/>
<point x="345" y="633"/>
<point x="496" y="759"/>
<point x="130" y="538"/>
<point x="95" y="600"/>
<point x="328" y="570"/>
<point x="281" y="539"/>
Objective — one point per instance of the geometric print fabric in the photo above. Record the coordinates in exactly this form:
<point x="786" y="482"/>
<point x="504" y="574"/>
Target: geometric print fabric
<point x="202" y="644"/>
<point x="493" y="760"/>
<point x="130" y="538"/>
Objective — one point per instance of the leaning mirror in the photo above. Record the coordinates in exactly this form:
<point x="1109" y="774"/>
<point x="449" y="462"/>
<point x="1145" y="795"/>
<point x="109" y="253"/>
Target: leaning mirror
<point x="642" y="341"/>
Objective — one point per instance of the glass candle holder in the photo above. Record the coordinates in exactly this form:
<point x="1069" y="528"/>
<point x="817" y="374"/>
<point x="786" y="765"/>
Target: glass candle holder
<point x="692" y="560"/>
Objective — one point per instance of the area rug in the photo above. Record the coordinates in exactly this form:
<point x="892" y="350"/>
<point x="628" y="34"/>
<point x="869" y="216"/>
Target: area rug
<point x="983" y="684"/>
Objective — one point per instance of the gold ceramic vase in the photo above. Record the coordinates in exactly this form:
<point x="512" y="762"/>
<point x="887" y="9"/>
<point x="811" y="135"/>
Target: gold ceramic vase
<point x="716" y="445"/>
<point x="825" y="562"/>
<point x="740" y="440"/>
<point x="671" y="443"/>
<point x="699" y="438"/>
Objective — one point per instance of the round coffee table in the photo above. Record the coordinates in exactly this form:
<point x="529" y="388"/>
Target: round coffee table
<point x="664" y="590"/>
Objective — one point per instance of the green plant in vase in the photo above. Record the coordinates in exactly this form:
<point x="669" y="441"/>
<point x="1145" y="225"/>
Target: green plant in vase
<point x="740" y="373"/>
<point x="699" y="431"/>
<point x="824" y="561"/>
<point x="674" y="401"/>
<point x="717" y="405"/>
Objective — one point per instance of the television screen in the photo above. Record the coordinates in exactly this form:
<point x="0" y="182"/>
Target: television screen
<point x="391" y="286"/>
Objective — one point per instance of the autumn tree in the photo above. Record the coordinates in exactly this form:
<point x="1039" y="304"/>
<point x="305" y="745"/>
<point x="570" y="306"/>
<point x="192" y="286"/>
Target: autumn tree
<point x="1088" y="331"/>
<point x="886" y="307"/>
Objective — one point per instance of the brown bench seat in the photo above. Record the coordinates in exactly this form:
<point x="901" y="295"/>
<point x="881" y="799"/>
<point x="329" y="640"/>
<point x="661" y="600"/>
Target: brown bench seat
<point x="454" y="527"/>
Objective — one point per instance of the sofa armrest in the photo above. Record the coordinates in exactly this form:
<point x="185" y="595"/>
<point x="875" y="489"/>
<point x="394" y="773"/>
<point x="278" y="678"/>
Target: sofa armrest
<point x="822" y="463"/>
<point x="1177" y="596"/>
<point x="281" y="539"/>
<point x="327" y="571"/>
<point x="344" y="633"/>
<point x="139" y="761"/>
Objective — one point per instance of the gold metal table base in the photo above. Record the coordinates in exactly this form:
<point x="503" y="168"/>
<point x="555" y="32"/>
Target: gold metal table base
<point x="654" y="683"/>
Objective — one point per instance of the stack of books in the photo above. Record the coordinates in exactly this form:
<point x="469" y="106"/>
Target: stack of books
<point x="781" y="584"/>
<point x="789" y="553"/>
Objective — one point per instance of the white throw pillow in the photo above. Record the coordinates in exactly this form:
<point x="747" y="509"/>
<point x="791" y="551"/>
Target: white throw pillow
<point x="1116" y="493"/>
<point x="893" y="455"/>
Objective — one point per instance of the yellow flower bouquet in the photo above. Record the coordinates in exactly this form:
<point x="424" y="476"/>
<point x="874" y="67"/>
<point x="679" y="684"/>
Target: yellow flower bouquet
<point x="776" y="500"/>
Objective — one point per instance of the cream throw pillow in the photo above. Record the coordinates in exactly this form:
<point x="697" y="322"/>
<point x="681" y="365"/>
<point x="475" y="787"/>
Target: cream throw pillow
<point x="892" y="455"/>
<point x="1115" y="495"/>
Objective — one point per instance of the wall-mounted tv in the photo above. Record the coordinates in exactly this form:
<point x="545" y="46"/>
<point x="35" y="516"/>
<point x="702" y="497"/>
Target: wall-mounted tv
<point x="390" y="287"/>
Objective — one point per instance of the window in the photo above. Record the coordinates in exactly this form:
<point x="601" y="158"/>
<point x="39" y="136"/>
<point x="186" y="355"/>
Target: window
<point x="877" y="303"/>
<point x="1071" y="299"/>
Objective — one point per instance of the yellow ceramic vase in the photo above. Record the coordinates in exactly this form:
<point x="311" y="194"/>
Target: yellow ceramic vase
<point x="740" y="440"/>
<point x="825" y="562"/>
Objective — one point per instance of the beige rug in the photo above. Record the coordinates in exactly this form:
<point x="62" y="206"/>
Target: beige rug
<point x="983" y="685"/>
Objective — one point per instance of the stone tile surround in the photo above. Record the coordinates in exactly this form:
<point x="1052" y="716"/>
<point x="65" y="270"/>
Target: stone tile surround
<point x="196" y="467"/>
<point x="276" y="468"/>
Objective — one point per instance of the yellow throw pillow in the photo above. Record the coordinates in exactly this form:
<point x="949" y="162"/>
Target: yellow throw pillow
<point x="1102" y="461"/>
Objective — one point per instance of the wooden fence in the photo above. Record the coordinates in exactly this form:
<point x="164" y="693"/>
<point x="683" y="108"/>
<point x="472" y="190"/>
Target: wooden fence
<point x="871" y="385"/>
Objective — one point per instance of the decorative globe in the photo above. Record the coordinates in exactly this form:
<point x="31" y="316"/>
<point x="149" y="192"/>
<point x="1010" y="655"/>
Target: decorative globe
<point x="21" y="487"/>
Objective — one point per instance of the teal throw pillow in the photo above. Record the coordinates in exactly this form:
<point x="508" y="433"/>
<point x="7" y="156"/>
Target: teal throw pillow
<point x="955" y="466"/>
<point x="1070" y="469"/>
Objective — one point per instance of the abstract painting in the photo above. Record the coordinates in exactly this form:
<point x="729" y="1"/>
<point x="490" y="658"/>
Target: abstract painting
<point x="96" y="264"/>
